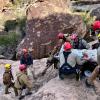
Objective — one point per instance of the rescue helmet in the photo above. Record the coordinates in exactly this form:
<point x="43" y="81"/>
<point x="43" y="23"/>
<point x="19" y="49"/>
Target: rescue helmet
<point x="67" y="46"/>
<point x="22" y="67"/>
<point x="60" y="36"/>
<point x="74" y="36"/>
<point x="7" y="66"/>
<point x="25" y="50"/>
<point x="96" y="25"/>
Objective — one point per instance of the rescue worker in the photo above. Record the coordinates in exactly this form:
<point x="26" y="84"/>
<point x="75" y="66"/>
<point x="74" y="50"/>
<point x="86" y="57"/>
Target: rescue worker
<point x="22" y="82"/>
<point x="96" y="25"/>
<point x="7" y="79"/>
<point x="27" y="59"/>
<point x="94" y="28"/>
<point x="96" y="45"/>
<point x="79" y="43"/>
<point x="71" y="63"/>
<point x="52" y="59"/>
<point x="90" y="82"/>
<point x="62" y="39"/>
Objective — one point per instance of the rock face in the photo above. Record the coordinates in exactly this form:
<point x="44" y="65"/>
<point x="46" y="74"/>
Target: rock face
<point x="49" y="86"/>
<point x="44" y="21"/>
<point x="96" y="12"/>
<point x="8" y="51"/>
<point x="68" y="89"/>
<point x="85" y="5"/>
<point x="90" y="0"/>
<point x="39" y="67"/>
<point x="3" y="3"/>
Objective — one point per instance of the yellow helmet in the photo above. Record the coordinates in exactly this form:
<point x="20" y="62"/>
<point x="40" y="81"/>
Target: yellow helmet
<point x="8" y="66"/>
<point x="98" y="36"/>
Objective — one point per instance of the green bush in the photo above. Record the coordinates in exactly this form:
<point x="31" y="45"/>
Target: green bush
<point x="87" y="19"/>
<point x="10" y="25"/>
<point x="11" y="38"/>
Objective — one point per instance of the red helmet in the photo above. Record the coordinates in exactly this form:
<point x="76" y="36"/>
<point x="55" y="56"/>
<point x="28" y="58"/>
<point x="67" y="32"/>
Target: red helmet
<point x="25" y="50"/>
<point x="67" y="46"/>
<point x="96" y="25"/>
<point x="74" y="36"/>
<point x="22" y="67"/>
<point x="60" y="36"/>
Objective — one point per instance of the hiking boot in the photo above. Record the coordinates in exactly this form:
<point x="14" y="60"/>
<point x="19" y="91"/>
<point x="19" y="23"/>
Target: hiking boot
<point x="78" y="76"/>
<point x="7" y="92"/>
<point x="61" y="76"/>
<point x="21" y="97"/>
<point x="88" y="84"/>
<point x="28" y="93"/>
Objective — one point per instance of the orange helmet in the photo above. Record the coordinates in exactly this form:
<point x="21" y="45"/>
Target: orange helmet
<point x="67" y="46"/>
<point x="25" y="50"/>
<point x="60" y="36"/>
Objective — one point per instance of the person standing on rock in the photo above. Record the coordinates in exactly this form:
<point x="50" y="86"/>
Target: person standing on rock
<point x="7" y="80"/>
<point x="27" y="59"/>
<point x="79" y="43"/>
<point x="23" y="82"/>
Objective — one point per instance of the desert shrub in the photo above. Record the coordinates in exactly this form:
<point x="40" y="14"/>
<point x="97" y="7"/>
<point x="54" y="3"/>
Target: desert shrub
<point x="10" y="38"/>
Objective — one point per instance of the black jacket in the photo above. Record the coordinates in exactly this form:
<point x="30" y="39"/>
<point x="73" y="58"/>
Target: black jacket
<point x="26" y="60"/>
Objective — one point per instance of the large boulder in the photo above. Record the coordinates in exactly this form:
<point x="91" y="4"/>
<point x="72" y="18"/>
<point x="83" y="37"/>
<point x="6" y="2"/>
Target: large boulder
<point x="67" y="89"/>
<point x="96" y="12"/>
<point x="90" y="0"/>
<point x="44" y="21"/>
<point x="3" y="3"/>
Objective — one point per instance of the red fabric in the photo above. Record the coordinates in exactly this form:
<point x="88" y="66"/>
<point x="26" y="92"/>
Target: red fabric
<point x="96" y="25"/>
<point x="67" y="46"/>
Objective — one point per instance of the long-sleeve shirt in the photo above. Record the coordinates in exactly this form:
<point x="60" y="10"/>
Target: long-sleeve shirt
<point x="28" y="60"/>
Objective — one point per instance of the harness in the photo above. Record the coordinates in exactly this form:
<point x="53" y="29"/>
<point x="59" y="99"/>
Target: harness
<point x="67" y="68"/>
<point x="79" y="45"/>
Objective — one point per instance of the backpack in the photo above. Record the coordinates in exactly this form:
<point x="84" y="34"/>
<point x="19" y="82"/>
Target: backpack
<point x="66" y="68"/>
<point x="18" y="84"/>
<point x="6" y="78"/>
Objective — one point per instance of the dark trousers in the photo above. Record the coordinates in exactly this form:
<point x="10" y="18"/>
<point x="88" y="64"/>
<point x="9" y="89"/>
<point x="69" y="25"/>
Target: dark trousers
<point x="89" y="65"/>
<point x="7" y="86"/>
<point x="66" y="71"/>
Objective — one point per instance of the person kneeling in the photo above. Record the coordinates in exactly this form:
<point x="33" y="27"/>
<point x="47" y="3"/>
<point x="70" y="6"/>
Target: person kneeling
<point x="71" y="63"/>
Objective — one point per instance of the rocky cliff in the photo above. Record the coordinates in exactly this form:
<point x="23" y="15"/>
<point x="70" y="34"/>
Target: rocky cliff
<point x="44" y="21"/>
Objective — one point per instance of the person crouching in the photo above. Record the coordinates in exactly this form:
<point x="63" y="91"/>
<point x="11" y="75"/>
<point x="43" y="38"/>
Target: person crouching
<point x="71" y="63"/>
